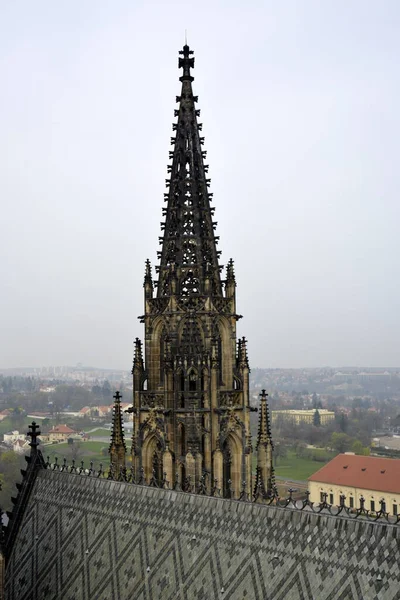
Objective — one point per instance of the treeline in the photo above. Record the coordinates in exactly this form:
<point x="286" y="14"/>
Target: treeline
<point x="64" y="397"/>
<point x="18" y="384"/>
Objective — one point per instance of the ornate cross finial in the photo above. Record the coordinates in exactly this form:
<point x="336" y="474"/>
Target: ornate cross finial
<point x="186" y="63"/>
<point x="33" y="434"/>
<point x="117" y="396"/>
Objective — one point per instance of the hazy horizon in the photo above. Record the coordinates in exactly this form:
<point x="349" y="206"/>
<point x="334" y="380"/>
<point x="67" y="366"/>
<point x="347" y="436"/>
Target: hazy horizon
<point x="299" y="105"/>
<point x="253" y="367"/>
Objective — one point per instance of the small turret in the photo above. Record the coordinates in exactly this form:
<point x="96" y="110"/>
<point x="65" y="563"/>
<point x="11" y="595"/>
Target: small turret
<point x="117" y="446"/>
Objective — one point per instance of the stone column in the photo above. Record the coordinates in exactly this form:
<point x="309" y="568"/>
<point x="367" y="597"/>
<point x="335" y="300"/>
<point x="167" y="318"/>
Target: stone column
<point x="218" y="468"/>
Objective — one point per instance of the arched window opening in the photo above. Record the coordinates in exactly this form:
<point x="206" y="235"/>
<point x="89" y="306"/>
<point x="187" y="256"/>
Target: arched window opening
<point x="181" y="441"/>
<point x="191" y="340"/>
<point x="182" y="382"/>
<point x="162" y="350"/>
<point x="227" y="478"/>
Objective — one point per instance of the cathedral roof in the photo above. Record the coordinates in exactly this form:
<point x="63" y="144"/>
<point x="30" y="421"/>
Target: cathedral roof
<point x="84" y="537"/>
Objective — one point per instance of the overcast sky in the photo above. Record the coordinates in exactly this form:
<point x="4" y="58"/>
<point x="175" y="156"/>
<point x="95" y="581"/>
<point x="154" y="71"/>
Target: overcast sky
<point x="300" y="111"/>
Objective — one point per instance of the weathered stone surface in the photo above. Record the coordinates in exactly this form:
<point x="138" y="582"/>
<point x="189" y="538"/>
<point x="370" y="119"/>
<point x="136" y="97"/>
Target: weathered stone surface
<point x="85" y="538"/>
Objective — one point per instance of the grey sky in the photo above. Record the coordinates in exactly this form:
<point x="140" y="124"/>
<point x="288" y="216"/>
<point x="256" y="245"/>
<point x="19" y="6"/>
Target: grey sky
<point x="300" y="106"/>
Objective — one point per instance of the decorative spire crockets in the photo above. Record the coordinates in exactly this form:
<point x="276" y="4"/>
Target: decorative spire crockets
<point x="117" y="446"/>
<point x="148" y="280"/>
<point x="138" y="357"/>
<point x="264" y="435"/>
<point x="265" y="478"/>
<point x="188" y="244"/>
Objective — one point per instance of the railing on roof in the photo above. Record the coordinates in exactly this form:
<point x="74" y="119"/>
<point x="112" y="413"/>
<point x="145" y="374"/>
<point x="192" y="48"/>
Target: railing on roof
<point x="128" y="475"/>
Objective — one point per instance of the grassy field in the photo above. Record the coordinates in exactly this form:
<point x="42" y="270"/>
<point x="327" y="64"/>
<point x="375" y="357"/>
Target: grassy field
<point x="5" y="426"/>
<point x="99" y="432"/>
<point x="87" y="451"/>
<point x="299" y="469"/>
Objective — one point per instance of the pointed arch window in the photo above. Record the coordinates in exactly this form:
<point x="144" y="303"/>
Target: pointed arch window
<point x="191" y="339"/>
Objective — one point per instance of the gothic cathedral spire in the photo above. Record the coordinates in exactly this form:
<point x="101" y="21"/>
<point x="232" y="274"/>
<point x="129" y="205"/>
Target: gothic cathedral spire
<point x="189" y="253"/>
<point x="191" y="420"/>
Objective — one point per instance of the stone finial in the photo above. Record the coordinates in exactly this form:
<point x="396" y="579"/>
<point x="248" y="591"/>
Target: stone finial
<point x="33" y="434"/>
<point x="186" y="63"/>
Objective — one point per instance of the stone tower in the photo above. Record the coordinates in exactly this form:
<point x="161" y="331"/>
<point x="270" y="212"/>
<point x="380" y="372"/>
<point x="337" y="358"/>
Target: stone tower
<point x="191" y="422"/>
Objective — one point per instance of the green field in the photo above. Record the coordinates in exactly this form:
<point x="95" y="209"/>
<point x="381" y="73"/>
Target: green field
<point x="5" y="426"/>
<point x="299" y="469"/>
<point x="86" y="451"/>
<point x="99" y="432"/>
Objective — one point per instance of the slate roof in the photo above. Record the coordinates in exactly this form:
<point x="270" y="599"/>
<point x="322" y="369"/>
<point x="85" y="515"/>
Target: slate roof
<point x="84" y="538"/>
<point x="365" y="472"/>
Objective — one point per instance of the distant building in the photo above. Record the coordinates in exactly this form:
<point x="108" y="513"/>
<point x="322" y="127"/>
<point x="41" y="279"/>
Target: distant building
<point x="105" y="411"/>
<point x="20" y="446"/>
<point x="98" y="411"/>
<point x="354" y="476"/>
<point x="60" y="433"/>
<point x="13" y="436"/>
<point x="303" y="416"/>
<point x="39" y="415"/>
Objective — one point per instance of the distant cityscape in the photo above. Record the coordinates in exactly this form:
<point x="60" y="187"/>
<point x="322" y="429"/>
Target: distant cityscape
<point x="347" y="381"/>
